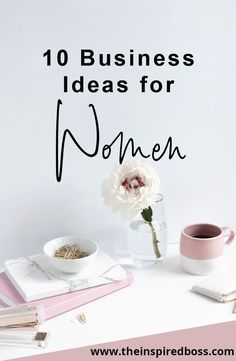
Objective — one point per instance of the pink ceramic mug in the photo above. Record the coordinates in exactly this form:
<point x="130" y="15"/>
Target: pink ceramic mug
<point x="202" y="247"/>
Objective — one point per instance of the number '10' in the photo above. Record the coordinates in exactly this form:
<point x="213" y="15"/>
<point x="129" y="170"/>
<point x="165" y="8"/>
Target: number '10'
<point x="61" y="57"/>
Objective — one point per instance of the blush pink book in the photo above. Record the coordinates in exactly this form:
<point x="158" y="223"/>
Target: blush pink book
<point x="54" y="306"/>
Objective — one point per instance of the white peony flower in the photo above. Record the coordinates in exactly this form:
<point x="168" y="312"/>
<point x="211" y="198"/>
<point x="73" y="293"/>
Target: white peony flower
<point x="132" y="187"/>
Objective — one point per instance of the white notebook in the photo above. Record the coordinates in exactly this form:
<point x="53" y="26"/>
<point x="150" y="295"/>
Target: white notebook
<point x="221" y="287"/>
<point x="34" y="278"/>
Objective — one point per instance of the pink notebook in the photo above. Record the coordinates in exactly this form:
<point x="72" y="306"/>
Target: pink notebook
<point x="54" y="306"/>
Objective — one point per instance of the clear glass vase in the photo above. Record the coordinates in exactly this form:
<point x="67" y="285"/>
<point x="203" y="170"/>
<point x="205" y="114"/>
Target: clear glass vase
<point x="148" y="240"/>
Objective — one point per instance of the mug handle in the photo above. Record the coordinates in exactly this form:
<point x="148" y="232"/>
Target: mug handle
<point x="231" y="236"/>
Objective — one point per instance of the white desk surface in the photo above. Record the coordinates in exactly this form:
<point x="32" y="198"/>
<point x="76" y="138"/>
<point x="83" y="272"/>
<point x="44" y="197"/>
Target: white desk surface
<point x="160" y="300"/>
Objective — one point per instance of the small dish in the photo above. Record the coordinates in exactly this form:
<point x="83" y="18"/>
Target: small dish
<point x="71" y="265"/>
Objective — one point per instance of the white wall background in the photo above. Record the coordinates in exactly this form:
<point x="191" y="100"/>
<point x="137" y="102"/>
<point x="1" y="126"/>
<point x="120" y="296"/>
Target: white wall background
<point x="199" y="114"/>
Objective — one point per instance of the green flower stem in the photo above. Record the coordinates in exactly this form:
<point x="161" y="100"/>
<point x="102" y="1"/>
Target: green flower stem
<point x="147" y="214"/>
<point x="154" y="241"/>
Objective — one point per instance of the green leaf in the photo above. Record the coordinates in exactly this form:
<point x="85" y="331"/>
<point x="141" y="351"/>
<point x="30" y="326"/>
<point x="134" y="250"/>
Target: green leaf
<point x="147" y="214"/>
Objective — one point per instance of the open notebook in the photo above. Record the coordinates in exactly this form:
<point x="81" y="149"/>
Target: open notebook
<point x="34" y="278"/>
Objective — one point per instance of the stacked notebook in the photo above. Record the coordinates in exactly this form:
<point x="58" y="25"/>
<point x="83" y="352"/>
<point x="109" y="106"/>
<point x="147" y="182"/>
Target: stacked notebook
<point x="221" y="286"/>
<point x="33" y="281"/>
